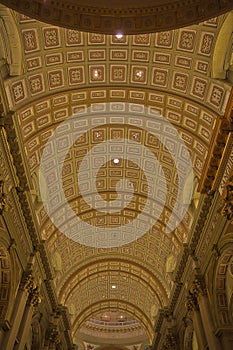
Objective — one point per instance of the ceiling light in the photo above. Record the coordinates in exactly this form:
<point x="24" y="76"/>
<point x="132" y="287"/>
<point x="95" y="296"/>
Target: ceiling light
<point x="116" y="160"/>
<point x="113" y="286"/>
<point x="139" y="74"/>
<point x="96" y="73"/>
<point x="119" y="35"/>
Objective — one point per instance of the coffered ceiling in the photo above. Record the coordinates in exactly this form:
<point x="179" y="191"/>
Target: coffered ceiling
<point x="63" y="73"/>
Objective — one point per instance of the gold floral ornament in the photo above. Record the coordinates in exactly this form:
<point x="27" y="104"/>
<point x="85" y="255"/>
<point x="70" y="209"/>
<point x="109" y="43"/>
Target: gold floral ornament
<point x="227" y="209"/>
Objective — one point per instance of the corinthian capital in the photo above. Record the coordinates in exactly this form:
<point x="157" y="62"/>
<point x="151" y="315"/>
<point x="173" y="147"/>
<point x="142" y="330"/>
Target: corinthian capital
<point x="227" y="197"/>
<point x="27" y="281"/>
<point x="34" y="296"/>
<point x="3" y="204"/>
<point x="191" y="302"/>
<point x="198" y="286"/>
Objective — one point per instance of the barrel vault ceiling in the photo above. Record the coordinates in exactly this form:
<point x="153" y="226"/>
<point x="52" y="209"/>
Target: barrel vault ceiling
<point x="56" y="73"/>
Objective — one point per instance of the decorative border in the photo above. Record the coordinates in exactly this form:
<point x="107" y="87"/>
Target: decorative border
<point x="128" y="20"/>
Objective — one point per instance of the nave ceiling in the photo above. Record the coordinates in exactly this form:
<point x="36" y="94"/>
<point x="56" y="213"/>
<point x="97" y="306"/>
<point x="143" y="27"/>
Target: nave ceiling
<point x="57" y="73"/>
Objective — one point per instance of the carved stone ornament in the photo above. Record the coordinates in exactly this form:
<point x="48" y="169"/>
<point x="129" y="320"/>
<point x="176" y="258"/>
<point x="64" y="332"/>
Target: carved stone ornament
<point x="198" y="286"/>
<point x="34" y="297"/>
<point x="29" y="285"/>
<point x="27" y="282"/>
<point x="191" y="302"/>
<point x="227" y="209"/>
<point x="3" y="204"/>
<point x="170" y="342"/>
<point x="52" y="334"/>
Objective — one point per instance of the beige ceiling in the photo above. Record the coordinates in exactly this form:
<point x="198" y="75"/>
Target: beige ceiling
<point x="63" y="73"/>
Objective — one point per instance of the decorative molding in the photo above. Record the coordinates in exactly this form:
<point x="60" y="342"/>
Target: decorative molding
<point x="198" y="286"/>
<point x="131" y="17"/>
<point x="227" y="197"/>
<point x="53" y="335"/>
<point x="11" y="48"/>
<point x="191" y="302"/>
<point x="171" y="340"/>
<point x="38" y="245"/>
<point x="3" y="203"/>
<point x="34" y="296"/>
<point x="226" y="164"/>
<point x="224" y="127"/>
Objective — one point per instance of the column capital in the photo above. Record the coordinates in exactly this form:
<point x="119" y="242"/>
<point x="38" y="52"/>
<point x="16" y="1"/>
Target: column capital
<point x="34" y="296"/>
<point x="227" y="198"/>
<point x="191" y="302"/>
<point x="27" y="281"/>
<point x="3" y="203"/>
<point x="198" y="286"/>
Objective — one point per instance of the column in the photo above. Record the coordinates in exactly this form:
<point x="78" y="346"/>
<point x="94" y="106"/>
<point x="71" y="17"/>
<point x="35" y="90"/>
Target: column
<point x="18" y="311"/>
<point x="193" y="308"/>
<point x="33" y="301"/>
<point x="198" y="289"/>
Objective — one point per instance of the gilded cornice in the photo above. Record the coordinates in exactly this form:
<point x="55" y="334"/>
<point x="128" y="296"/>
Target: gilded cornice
<point x="223" y="129"/>
<point x="131" y="17"/>
<point x="227" y="209"/>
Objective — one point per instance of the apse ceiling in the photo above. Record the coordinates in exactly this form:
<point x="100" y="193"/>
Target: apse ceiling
<point x="129" y="17"/>
<point x="66" y="72"/>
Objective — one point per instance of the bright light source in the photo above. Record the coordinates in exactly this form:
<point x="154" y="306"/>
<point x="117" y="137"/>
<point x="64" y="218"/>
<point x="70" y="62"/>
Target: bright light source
<point x="116" y="160"/>
<point x="139" y="74"/>
<point x="113" y="286"/>
<point x="119" y="35"/>
<point x="96" y="73"/>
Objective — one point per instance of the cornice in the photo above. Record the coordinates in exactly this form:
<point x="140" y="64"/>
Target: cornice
<point x="131" y="17"/>
<point x="223" y="130"/>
